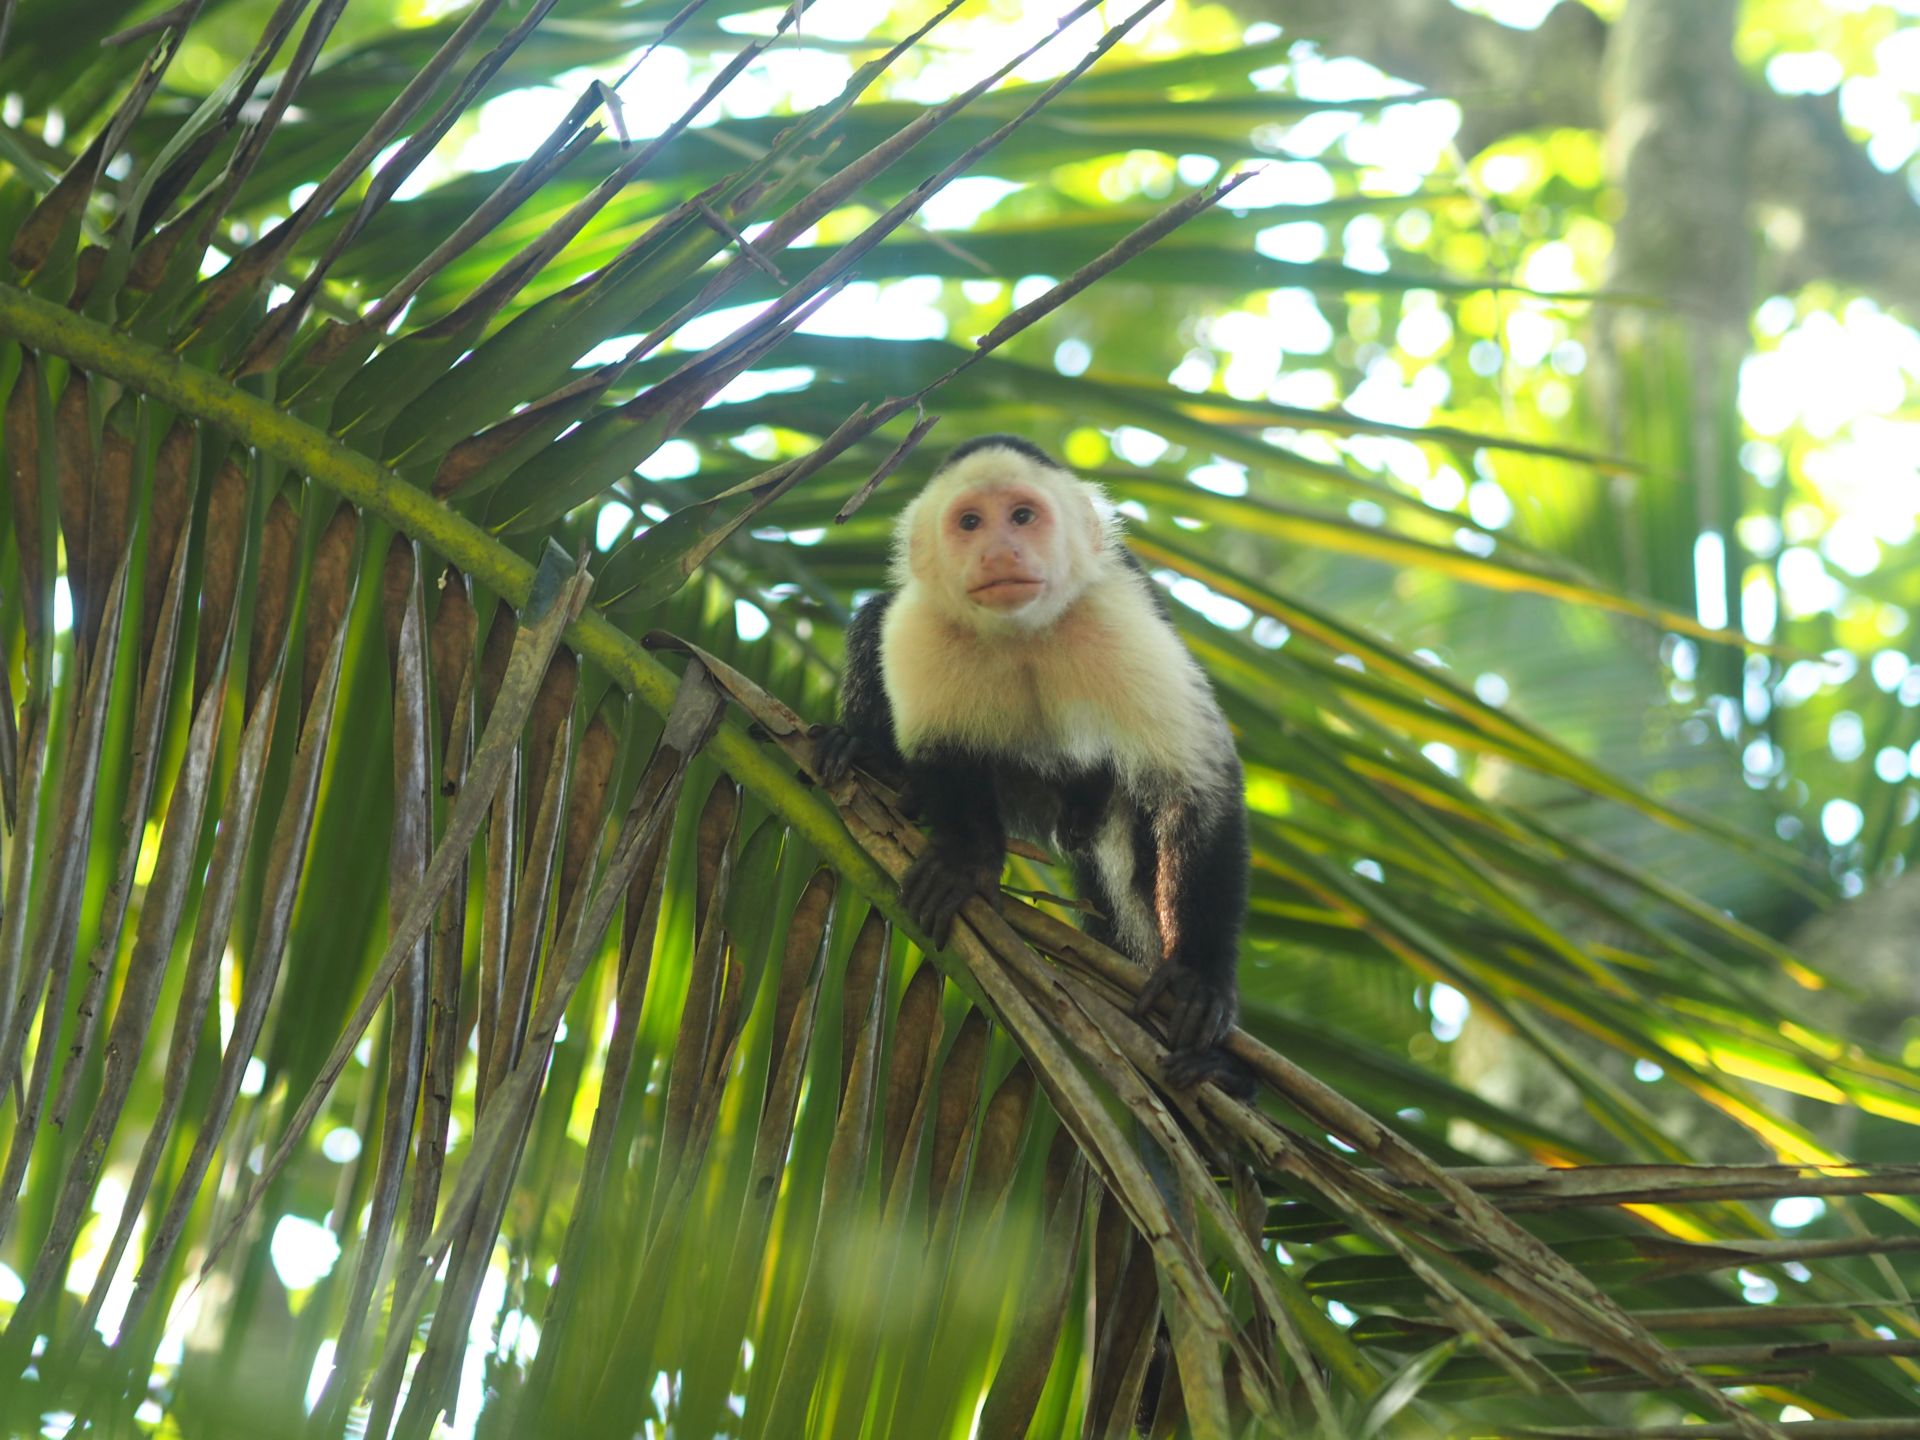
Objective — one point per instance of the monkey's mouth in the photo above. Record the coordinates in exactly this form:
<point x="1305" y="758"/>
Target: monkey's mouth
<point x="1005" y="591"/>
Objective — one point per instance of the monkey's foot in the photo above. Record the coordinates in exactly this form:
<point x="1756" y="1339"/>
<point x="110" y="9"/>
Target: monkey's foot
<point x="1199" y="1013"/>
<point x="1187" y="1069"/>
<point x="937" y="884"/>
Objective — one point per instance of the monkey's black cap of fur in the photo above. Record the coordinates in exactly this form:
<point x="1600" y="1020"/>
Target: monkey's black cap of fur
<point x="1000" y="442"/>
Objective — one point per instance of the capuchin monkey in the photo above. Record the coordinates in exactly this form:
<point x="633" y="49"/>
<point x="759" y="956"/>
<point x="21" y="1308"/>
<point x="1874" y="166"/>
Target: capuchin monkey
<point x="1024" y="676"/>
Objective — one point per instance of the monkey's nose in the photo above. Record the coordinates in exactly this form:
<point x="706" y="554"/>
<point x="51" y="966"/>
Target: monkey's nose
<point x="1002" y="561"/>
<point x="1004" y="578"/>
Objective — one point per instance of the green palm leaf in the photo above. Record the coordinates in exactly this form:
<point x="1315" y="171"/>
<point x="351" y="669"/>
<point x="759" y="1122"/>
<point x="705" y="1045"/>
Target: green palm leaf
<point x="386" y="863"/>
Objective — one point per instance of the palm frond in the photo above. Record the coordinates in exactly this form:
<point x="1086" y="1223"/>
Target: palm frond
<point x="426" y="908"/>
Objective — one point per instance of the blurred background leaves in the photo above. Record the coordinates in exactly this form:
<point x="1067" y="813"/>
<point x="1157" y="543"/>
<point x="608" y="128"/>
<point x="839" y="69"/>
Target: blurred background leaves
<point x="409" y="1028"/>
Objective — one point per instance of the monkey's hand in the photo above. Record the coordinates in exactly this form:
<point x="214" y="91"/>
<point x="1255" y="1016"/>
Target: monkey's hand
<point x="836" y="750"/>
<point x="1200" y="1010"/>
<point x="939" y="882"/>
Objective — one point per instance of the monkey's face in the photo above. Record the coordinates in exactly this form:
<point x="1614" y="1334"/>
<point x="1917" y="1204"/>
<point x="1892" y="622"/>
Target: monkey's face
<point x="1001" y="548"/>
<point x="1001" y="542"/>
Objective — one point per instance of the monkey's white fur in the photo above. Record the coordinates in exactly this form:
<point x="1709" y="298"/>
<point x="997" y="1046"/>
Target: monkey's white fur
<point x="1088" y="673"/>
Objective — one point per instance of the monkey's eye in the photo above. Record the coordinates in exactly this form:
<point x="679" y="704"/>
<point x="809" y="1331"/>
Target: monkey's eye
<point x="1024" y="515"/>
<point x="970" y="521"/>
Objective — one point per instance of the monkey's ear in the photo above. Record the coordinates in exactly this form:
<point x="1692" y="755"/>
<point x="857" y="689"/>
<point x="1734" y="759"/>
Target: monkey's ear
<point x="911" y="559"/>
<point x="1097" y="511"/>
<point x="921" y="540"/>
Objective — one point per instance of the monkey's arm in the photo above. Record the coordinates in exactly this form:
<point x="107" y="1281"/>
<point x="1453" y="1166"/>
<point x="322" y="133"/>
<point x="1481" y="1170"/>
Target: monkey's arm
<point x="966" y="846"/>
<point x="864" y="736"/>
<point x="1200" y="893"/>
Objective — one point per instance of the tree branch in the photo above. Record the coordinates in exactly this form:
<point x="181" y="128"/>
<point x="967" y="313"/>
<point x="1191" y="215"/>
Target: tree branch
<point x="1826" y="211"/>
<point x="1507" y="80"/>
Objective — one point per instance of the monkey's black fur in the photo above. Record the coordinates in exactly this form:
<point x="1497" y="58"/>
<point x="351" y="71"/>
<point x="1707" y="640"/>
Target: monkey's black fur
<point x="1000" y="442"/>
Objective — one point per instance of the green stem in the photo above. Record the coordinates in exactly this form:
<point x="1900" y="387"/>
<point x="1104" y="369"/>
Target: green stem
<point x="100" y="350"/>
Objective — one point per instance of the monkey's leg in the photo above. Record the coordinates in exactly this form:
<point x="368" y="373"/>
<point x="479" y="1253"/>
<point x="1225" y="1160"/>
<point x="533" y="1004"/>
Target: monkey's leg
<point x="1098" y="924"/>
<point x="966" y="848"/>
<point x="1084" y="800"/>
<point x="1199" y="895"/>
